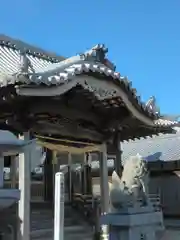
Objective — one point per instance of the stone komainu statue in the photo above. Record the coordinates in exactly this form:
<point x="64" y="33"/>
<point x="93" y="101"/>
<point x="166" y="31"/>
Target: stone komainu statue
<point x="132" y="186"/>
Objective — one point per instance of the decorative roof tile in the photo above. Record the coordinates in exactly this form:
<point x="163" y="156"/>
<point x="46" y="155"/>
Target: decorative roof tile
<point x="161" y="121"/>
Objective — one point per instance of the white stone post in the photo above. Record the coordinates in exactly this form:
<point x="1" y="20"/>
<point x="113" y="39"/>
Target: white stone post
<point x="59" y="207"/>
<point x="104" y="188"/>
<point x="1" y="171"/>
<point x="13" y="171"/>
<point x="24" y="187"/>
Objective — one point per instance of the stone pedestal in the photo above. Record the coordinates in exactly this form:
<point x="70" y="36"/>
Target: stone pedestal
<point x="9" y="223"/>
<point x="134" y="223"/>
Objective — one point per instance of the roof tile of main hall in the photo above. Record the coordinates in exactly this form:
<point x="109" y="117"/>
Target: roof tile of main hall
<point x="40" y="53"/>
<point x="23" y="63"/>
<point x="164" y="147"/>
<point x="10" y="51"/>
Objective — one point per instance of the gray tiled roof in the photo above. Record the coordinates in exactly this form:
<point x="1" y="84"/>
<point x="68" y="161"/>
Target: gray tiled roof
<point x="9" y="57"/>
<point x="165" y="148"/>
<point x="46" y="71"/>
<point x="10" y="50"/>
<point x="30" y="49"/>
<point x="19" y="64"/>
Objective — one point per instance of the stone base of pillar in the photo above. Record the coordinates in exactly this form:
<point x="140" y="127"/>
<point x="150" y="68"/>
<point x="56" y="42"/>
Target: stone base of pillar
<point x="134" y="223"/>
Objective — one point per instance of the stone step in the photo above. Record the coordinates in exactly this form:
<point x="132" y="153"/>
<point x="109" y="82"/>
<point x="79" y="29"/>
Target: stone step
<point x="49" y="214"/>
<point x="46" y="224"/>
<point x="42" y="225"/>
<point x="71" y="231"/>
<point x="66" y="237"/>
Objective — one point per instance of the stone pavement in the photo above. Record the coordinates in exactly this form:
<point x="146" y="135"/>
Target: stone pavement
<point x="170" y="235"/>
<point x="76" y="227"/>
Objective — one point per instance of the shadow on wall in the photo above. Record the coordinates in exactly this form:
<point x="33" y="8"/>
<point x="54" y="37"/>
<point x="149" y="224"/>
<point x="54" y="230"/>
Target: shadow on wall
<point x="167" y="184"/>
<point x="154" y="157"/>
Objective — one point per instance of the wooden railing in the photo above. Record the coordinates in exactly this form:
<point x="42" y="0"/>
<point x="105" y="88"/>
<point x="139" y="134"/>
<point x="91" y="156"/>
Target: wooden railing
<point x="37" y="194"/>
<point x="89" y="206"/>
<point x="37" y="189"/>
<point x="156" y="201"/>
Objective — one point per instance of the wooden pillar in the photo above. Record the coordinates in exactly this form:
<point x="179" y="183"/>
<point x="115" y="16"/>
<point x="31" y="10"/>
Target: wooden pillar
<point x="104" y="180"/>
<point x="70" y="190"/>
<point x="83" y="180"/>
<point x="88" y="174"/>
<point x="84" y="175"/>
<point x="118" y="160"/>
<point x="104" y="186"/>
<point x="48" y="177"/>
<point x="24" y="187"/>
<point x="58" y="162"/>
<point x="82" y="187"/>
<point x="13" y="171"/>
<point x="55" y="170"/>
<point x="1" y="171"/>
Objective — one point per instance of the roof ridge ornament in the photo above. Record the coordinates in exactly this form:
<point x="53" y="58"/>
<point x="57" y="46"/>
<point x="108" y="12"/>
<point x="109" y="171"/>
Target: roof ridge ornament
<point x="163" y="119"/>
<point x="98" y="54"/>
<point x="152" y="107"/>
<point x="25" y="63"/>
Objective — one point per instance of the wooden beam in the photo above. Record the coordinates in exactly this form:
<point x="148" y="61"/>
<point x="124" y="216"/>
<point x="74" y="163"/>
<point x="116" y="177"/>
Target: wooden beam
<point x="68" y="131"/>
<point x="65" y="141"/>
<point x="70" y="149"/>
<point x="13" y="171"/>
<point x="118" y="160"/>
<point x="138" y="132"/>
<point x="117" y="122"/>
<point x="56" y="108"/>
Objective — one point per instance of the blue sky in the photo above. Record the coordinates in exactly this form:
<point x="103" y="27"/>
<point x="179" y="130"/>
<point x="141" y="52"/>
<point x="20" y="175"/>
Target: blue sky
<point x="143" y="37"/>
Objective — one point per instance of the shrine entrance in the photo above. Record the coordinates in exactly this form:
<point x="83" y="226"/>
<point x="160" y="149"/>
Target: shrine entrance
<point x="80" y="104"/>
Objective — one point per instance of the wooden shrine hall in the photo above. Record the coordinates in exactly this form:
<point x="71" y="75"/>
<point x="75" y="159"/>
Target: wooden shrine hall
<point x="79" y="104"/>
